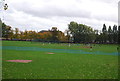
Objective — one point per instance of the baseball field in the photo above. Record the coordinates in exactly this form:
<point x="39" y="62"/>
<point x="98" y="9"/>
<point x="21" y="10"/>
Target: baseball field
<point x="35" y="60"/>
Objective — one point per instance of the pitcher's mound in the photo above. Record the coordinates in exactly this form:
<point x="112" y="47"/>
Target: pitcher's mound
<point x="21" y="61"/>
<point x="50" y="53"/>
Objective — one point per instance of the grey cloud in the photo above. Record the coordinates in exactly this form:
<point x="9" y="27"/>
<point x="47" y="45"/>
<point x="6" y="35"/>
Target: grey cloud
<point x="119" y="13"/>
<point x="66" y="11"/>
<point x="111" y="18"/>
<point x="52" y="10"/>
<point x="42" y="15"/>
<point x="107" y="1"/>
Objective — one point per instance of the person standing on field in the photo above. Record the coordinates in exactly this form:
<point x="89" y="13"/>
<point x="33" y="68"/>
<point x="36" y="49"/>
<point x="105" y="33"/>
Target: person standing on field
<point x="90" y="48"/>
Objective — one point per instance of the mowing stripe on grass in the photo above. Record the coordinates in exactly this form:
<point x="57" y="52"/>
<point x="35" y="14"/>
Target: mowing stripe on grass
<point x="55" y="50"/>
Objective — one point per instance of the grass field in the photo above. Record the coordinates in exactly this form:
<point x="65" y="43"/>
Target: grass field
<point x="67" y="62"/>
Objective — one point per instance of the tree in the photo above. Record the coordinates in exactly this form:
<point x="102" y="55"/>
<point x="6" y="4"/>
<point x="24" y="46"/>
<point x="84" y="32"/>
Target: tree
<point x="3" y="30"/>
<point x="104" y="35"/>
<point x="54" y="32"/>
<point x="118" y="34"/>
<point x="6" y="31"/>
<point x="21" y="35"/>
<point x="32" y="35"/>
<point x="44" y="36"/>
<point x="16" y="35"/>
<point x="110" y="35"/>
<point x="26" y="36"/>
<point x="97" y="39"/>
<point x="73" y="26"/>
<point x="81" y="33"/>
<point x="62" y="37"/>
<point x="11" y="34"/>
<point x="115" y="34"/>
<point x="67" y="32"/>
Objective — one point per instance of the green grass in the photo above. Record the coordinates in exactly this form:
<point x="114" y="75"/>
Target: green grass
<point x="59" y="65"/>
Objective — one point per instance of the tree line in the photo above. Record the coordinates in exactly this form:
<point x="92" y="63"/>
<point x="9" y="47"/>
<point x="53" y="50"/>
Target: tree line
<point x="53" y="35"/>
<point x="85" y="34"/>
<point x="76" y="33"/>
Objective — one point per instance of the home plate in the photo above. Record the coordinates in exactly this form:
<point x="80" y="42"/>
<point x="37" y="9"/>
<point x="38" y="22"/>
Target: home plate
<point x="50" y="53"/>
<point x="21" y="61"/>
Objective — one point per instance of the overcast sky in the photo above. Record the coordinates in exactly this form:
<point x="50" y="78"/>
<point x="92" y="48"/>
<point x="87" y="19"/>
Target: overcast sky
<point x="43" y="14"/>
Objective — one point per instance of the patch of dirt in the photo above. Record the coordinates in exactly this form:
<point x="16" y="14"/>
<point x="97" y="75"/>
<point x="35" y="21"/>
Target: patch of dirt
<point x="21" y="61"/>
<point x="50" y="53"/>
<point x="86" y="47"/>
